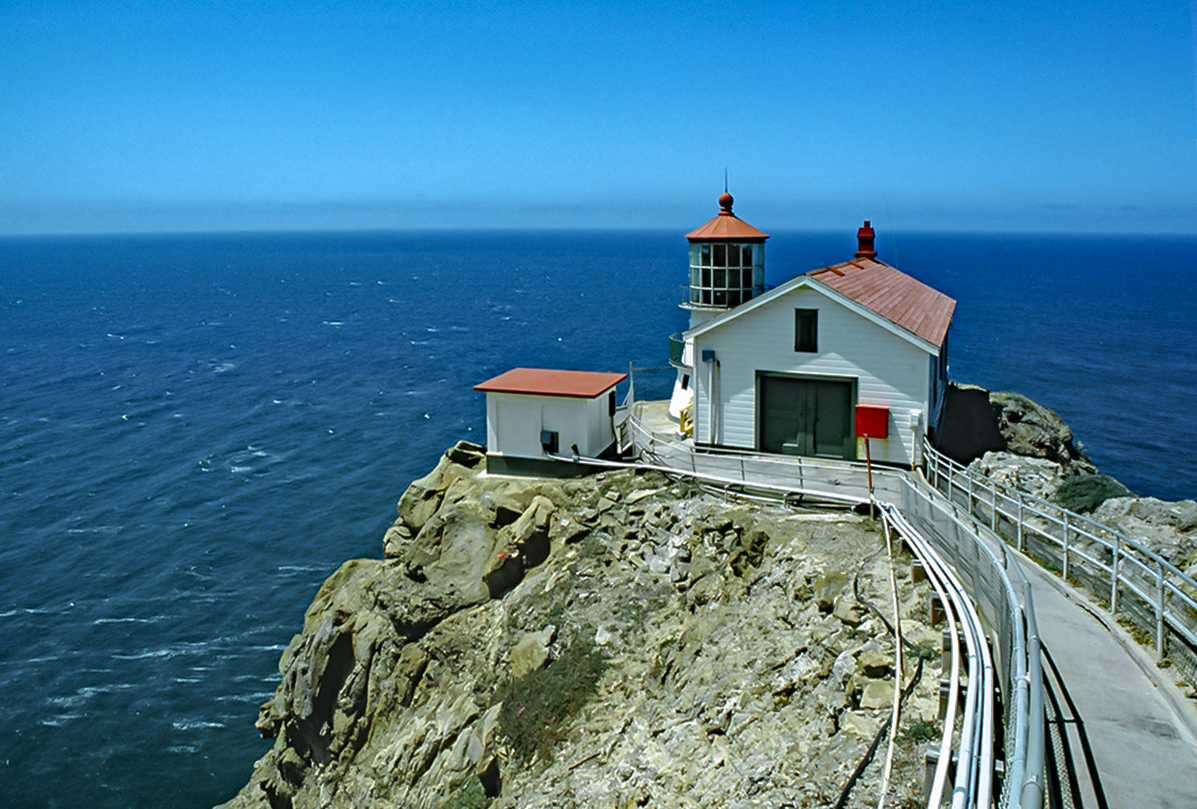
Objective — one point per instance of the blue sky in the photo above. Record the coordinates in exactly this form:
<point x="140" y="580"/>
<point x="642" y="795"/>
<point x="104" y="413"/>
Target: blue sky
<point x="131" y="116"/>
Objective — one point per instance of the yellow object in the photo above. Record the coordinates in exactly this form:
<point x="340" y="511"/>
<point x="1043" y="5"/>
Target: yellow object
<point x="686" y="426"/>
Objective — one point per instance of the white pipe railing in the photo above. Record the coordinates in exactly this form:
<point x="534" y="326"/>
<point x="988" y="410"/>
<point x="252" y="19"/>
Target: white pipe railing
<point x="934" y="527"/>
<point x="1115" y="565"/>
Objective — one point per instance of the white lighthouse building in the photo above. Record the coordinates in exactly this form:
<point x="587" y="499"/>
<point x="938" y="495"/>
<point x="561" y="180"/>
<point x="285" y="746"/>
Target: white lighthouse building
<point x="836" y="363"/>
<point x="727" y="268"/>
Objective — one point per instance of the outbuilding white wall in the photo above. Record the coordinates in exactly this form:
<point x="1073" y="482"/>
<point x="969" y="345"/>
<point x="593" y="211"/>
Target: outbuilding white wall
<point x="514" y="422"/>
<point x="890" y="371"/>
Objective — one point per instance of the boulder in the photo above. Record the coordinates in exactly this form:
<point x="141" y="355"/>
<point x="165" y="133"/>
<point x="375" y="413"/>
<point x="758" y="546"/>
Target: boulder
<point x="531" y="652"/>
<point x="877" y="694"/>
<point x="1032" y="430"/>
<point x="827" y="589"/>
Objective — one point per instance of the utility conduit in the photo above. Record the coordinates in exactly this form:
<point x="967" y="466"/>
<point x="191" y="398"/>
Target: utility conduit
<point x="941" y="536"/>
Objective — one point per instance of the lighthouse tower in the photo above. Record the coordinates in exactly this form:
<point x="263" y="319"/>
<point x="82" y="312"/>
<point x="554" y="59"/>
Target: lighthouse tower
<point x="727" y="268"/>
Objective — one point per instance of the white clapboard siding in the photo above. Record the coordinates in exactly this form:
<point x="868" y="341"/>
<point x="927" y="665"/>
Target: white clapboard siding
<point x="889" y="371"/>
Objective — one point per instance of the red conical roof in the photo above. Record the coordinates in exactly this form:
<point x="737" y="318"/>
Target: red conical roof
<point x="726" y="227"/>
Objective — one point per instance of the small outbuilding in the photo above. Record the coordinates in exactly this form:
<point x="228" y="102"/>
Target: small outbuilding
<point x="533" y="414"/>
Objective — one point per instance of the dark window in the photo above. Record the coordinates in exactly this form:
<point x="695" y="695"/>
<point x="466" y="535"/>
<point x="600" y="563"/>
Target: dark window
<point x="685" y="381"/>
<point x="549" y="440"/>
<point x="611" y="403"/>
<point x="721" y="255"/>
<point x="806" y="329"/>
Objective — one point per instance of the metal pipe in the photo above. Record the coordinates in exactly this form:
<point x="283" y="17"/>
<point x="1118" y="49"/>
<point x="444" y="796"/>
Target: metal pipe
<point x="1031" y="791"/>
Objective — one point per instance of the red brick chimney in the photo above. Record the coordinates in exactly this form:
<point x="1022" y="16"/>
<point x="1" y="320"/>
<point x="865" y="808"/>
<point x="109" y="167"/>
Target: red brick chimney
<point x="864" y="242"/>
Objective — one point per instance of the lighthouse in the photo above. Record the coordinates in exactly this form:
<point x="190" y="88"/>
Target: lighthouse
<point x="727" y="268"/>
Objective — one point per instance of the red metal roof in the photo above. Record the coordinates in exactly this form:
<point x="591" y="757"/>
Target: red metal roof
<point x="545" y="382"/>
<point x="726" y="227"/>
<point x="892" y="294"/>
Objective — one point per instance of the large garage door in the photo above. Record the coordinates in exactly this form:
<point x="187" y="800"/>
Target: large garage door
<point x="799" y="416"/>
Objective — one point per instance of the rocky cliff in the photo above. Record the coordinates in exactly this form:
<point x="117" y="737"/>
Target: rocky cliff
<point x="1038" y="456"/>
<point x="614" y="640"/>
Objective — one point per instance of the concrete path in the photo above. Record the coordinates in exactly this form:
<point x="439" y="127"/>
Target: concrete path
<point x="1142" y="729"/>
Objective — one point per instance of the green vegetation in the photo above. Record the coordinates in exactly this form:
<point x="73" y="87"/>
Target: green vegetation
<point x="920" y="731"/>
<point x="1084" y="493"/>
<point x="471" y="795"/>
<point x="923" y="652"/>
<point x="593" y="547"/>
<point x="538" y="706"/>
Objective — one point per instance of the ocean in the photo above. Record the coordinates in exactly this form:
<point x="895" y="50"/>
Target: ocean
<point x="195" y="430"/>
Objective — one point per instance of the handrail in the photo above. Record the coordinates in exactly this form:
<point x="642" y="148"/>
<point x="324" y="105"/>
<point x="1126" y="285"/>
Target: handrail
<point x="978" y="572"/>
<point x="1136" y="581"/>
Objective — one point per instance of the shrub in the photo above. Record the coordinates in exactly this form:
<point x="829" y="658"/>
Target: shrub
<point x="471" y="795"/>
<point x="538" y="706"/>
<point x="920" y="731"/>
<point x="1084" y="493"/>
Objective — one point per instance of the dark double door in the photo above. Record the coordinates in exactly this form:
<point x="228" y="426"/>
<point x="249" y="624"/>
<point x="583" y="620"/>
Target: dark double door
<point x="802" y="416"/>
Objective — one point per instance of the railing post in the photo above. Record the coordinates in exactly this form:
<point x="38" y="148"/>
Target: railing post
<point x="1065" y="572"/>
<point x="743" y="477"/>
<point x="970" y="496"/>
<point x="1114" y="575"/>
<point x="1020" y="532"/>
<point x="950" y="483"/>
<point x="1159" y="611"/>
<point x="993" y="507"/>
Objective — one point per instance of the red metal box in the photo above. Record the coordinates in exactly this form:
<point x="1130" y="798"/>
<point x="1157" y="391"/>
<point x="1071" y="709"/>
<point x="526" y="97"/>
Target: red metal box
<point x="872" y="421"/>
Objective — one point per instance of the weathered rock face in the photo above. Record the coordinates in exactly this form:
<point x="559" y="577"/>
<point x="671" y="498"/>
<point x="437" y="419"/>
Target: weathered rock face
<point x="1034" y="431"/>
<point x="1037" y="476"/>
<point x="1169" y="529"/>
<point x="610" y="641"/>
<point x="1041" y="458"/>
<point x="977" y="422"/>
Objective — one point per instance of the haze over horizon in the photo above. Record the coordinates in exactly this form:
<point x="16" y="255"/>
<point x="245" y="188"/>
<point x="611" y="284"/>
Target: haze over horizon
<point x="1073" y="116"/>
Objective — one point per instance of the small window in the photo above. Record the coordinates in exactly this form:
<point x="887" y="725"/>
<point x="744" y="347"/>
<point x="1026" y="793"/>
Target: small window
<point x="550" y="440"/>
<point x="611" y="403"/>
<point x="806" y="330"/>
<point x="685" y="381"/>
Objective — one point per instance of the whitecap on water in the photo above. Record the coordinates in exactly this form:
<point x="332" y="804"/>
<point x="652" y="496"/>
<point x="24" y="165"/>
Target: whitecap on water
<point x="196" y="724"/>
<point x="60" y="720"/>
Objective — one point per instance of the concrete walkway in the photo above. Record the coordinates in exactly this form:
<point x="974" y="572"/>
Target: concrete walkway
<point x="1142" y="729"/>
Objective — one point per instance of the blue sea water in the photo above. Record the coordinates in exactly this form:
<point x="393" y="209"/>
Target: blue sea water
<point x="196" y="430"/>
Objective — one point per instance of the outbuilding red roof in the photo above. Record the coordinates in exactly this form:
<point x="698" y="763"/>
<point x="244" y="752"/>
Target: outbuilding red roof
<point x="892" y="294"/>
<point x="726" y="227"/>
<point x="546" y="382"/>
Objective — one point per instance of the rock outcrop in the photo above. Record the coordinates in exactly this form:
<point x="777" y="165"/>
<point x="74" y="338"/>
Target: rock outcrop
<point x="1041" y="459"/>
<point x="1169" y="529"/>
<point x="615" y="640"/>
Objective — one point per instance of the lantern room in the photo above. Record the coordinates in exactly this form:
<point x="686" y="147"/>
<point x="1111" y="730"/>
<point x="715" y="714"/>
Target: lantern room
<point x="727" y="261"/>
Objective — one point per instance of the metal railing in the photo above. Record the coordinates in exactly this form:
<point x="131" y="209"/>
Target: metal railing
<point x="977" y="584"/>
<point x="1123" y="574"/>
<point x="677" y="348"/>
<point x="816" y="478"/>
